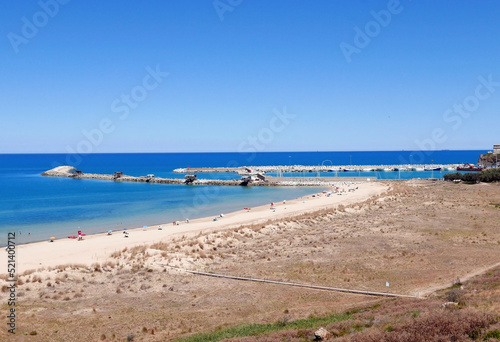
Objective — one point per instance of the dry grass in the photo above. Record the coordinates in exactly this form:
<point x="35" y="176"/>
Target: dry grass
<point x="416" y="320"/>
<point x="447" y="230"/>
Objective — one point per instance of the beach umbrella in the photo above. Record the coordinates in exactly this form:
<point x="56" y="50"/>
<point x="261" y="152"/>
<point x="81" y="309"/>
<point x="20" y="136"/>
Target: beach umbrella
<point x="144" y="226"/>
<point x="124" y="228"/>
<point x="52" y="239"/>
<point x="110" y="231"/>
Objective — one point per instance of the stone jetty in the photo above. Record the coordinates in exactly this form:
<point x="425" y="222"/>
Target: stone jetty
<point x="72" y="172"/>
<point x="322" y="168"/>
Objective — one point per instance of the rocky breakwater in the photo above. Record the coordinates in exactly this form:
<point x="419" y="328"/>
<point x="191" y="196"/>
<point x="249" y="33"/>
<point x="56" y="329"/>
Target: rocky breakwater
<point x="71" y="172"/>
<point x="209" y="169"/>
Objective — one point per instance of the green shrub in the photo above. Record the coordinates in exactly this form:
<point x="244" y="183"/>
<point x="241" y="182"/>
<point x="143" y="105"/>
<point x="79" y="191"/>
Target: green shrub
<point x="471" y="178"/>
<point x="490" y="175"/>
<point x="453" y="176"/>
<point x="492" y="334"/>
<point x="486" y="176"/>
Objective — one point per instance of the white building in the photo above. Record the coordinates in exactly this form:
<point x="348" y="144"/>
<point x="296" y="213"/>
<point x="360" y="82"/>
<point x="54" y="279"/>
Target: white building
<point x="496" y="149"/>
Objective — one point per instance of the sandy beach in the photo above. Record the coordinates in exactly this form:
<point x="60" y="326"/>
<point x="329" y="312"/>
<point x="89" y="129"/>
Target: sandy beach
<point x="98" y="247"/>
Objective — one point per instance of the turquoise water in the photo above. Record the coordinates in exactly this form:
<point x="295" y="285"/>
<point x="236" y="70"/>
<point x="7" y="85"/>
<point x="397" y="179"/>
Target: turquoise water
<point x="47" y="206"/>
<point x="58" y="206"/>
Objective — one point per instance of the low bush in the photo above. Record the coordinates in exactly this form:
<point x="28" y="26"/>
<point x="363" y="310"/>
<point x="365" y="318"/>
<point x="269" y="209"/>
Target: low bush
<point x="461" y="325"/>
<point x="486" y="176"/>
<point x="492" y="334"/>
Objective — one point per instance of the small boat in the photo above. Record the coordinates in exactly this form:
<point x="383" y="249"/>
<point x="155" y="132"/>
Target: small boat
<point x="400" y="169"/>
<point x="469" y="167"/>
<point x="432" y="169"/>
<point x="417" y="169"/>
<point x="387" y="169"/>
<point x="349" y="170"/>
<point x="450" y="168"/>
<point x="367" y="170"/>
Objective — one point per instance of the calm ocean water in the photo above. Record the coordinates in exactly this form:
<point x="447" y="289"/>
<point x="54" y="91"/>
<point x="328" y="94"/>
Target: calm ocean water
<point x="46" y="206"/>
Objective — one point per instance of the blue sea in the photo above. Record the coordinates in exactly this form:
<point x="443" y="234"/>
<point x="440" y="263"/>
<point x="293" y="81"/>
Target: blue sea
<point x="38" y="207"/>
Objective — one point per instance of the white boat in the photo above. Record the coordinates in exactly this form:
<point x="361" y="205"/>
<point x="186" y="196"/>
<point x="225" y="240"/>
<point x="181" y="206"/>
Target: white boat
<point x="417" y="169"/>
<point x="367" y="170"/>
<point x="450" y="168"/>
<point x="349" y="170"/>
<point x="387" y="169"/>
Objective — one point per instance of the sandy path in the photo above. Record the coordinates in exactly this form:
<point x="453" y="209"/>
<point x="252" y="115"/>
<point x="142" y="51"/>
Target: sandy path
<point x="97" y="248"/>
<point x="463" y="278"/>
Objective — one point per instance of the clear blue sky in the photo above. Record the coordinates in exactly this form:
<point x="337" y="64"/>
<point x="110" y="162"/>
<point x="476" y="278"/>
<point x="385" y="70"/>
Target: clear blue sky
<point x="227" y="77"/>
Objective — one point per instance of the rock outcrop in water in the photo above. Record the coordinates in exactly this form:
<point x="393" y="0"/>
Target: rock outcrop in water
<point x="60" y="171"/>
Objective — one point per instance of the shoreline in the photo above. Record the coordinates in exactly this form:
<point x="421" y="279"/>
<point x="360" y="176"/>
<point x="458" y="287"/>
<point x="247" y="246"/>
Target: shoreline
<point x="98" y="247"/>
<point x="151" y="220"/>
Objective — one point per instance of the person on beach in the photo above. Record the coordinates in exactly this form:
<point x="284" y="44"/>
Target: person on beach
<point x="187" y="220"/>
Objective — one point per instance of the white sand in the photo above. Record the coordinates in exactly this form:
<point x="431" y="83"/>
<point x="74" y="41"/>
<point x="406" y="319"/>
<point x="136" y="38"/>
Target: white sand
<point x="97" y="248"/>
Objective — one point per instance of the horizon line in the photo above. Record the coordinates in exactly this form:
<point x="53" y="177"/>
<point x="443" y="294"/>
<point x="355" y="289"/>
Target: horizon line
<point x="318" y="151"/>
